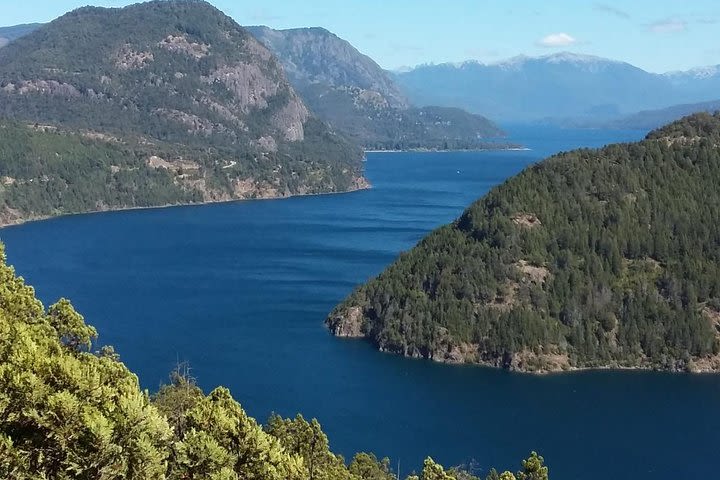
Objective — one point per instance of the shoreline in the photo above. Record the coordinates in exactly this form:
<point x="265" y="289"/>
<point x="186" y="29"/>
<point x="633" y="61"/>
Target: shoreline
<point x="365" y="185"/>
<point x="431" y="150"/>
<point x="695" y="369"/>
<point x="560" y="371"/>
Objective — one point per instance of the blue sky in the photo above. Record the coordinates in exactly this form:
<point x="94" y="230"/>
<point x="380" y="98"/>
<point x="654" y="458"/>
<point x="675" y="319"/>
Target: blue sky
<point x="657" y="35"/>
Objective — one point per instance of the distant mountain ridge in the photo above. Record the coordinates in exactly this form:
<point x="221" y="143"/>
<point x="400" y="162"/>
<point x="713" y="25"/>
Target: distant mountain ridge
<point x="8" y="34"/>
<point x="651" y="119"/>
<point x="353" y="94"/>
<point x="558" y="86"/>
<point x="563" y="88"/>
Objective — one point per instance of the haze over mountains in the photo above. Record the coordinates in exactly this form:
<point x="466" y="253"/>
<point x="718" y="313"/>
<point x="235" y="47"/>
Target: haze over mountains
<point x="560" y="87"/>
<point x="649" y="119"/>
<point x="353" y="94"/>
<point x="8" y="34"/>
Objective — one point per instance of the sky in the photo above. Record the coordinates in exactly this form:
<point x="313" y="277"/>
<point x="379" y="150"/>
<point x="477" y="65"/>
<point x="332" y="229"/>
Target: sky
<point x="656" y="35"/>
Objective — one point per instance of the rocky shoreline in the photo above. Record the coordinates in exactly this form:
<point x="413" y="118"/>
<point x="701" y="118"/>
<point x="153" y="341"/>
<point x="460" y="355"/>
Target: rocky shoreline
<point x="350" y="325"/>
<point x="13" y="218"/>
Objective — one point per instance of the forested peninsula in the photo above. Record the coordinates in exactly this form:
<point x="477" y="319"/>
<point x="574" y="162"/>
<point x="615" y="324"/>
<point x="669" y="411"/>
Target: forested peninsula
<point x="604" y="258"/>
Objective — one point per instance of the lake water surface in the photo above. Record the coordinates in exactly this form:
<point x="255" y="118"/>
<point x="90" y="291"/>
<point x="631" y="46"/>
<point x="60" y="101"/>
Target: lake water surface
<point x="240" y="290"/>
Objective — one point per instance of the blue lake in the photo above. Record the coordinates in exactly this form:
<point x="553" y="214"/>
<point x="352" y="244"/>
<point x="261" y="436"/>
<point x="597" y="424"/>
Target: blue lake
<point x="240" y="290"/>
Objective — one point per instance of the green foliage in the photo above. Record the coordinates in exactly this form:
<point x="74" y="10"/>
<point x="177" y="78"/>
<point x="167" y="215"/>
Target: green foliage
<point x="221" y="441"/>
<point x="70" y="326"/>
<point x="700" y="125"/>
<point x="48" y="172"/>
<point x="176" y="399"/>
<point x="66" y="413"/>
<point x="533" y="468"/>
<point x="594" y="257"/>
<point x="366" y="466"/>
<point x="434" y="471"/>
<point x="307" y="440"/>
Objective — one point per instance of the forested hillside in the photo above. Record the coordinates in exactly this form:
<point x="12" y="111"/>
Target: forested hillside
<point x="591" y="258"/>
<point x="68" y="412"/>
<point x="47" y="171"/>
<point x="182" y="86"/>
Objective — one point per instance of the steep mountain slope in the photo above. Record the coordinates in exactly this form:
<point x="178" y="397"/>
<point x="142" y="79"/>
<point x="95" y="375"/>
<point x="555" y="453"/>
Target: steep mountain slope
<point x="315" y="55"/>
<point x="649" y="119"/>
<point x="558" y="86"/>
<point x="351" y="92"/>
<point x="190" y="86"/>
<point x="592" y="258"/>
<point x="8" y="34"/>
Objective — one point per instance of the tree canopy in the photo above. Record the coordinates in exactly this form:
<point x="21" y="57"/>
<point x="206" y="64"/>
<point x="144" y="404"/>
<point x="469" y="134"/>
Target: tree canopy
<point x="591" y="258"/>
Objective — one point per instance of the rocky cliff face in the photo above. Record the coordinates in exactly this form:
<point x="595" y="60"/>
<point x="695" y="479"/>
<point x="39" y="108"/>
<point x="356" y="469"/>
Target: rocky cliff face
<point x="317" y="56"/>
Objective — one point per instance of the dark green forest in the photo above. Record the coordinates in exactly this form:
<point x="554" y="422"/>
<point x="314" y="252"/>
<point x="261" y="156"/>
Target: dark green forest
<point x="68" y="412"/>
<point x="46" y="173"/>
<point x="591" y="258"/>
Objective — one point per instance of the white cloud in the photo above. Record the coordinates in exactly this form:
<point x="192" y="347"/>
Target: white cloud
<point x="555" y="40"/>
<point x="669" y="25"/>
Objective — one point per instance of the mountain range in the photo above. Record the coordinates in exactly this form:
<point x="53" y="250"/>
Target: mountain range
<point x="564" y="87"/>
<point x="381" y="109"/>
<point x="351" y="93"/>
<point x="354" y="95"/>
<point x="650" y="119"/>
